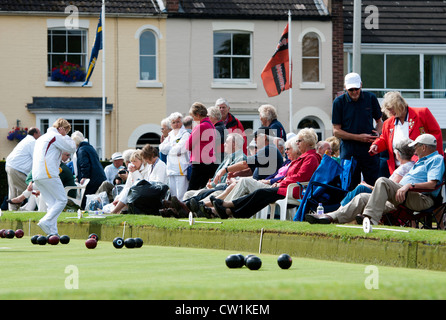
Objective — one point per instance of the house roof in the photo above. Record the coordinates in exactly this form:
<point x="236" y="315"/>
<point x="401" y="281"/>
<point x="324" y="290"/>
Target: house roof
<point x="133" y="7"/>
<point x="253" y="9"/>
<point x="238" y="9"/>
<point x="402" y="21"/>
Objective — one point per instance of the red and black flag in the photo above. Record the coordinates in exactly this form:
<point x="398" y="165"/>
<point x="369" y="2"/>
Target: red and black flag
<point x="276" y="74"/>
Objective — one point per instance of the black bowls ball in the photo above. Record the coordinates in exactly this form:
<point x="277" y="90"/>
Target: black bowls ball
<point x="64" y="239"/>
<point x="253" y="263"/>
<point x="130" y="243"/>
<point x="138" y="242"/>
<point x="284" y="261"/>
<point x="42" y="240"/>
<point x="118" y="243"/>
<point x="234" y="261"/>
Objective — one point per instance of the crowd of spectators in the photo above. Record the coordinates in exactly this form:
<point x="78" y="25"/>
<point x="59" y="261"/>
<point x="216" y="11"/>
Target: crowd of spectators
<point x="212" y="170"/>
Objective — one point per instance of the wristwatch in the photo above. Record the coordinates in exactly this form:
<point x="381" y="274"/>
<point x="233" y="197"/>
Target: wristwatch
<point x="413" y="185"/>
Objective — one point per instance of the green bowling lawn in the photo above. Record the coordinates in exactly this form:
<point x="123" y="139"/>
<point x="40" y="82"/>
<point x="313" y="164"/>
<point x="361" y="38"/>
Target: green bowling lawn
<point x="74" y="272"/>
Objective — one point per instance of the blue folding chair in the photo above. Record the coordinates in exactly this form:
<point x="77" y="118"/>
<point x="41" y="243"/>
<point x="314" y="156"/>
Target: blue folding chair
<point x="328" y="185"/>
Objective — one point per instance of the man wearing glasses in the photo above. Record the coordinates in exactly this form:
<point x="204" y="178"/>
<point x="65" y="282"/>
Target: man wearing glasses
<point x="352" y="117"/>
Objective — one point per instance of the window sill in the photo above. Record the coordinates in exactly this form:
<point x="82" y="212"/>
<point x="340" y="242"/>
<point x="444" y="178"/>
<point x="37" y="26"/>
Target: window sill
<point x="67" y="84"/>
<point x="233" y="85"/>
<point x="312" y="85"/>
<point x="148" y="84"/>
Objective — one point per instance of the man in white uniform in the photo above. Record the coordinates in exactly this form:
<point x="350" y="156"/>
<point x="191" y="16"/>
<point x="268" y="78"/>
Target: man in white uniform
<point x="46" y="160"/>
<point x="18" y="165"/>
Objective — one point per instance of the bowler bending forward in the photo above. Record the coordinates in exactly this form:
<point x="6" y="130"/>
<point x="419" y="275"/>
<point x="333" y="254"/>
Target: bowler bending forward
<point x="46" y="160"/>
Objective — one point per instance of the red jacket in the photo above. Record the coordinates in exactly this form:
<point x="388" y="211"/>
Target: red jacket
<point x="300" y="170"/>
<point x="421" y="121"/>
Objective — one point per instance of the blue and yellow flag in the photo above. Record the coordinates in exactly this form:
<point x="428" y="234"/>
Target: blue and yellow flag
<point x="95" y="51"/>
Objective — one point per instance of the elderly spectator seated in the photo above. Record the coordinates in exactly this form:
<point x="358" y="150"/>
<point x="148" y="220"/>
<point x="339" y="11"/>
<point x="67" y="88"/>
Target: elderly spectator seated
<point x="264" y="163"/>
<point x="145" y="165"/>
<point x="300" y="170"/>
<point x="234" y="154"/>
<point x="426" y="174"/>
<point x="268" y="117"/>
<point x="246" y="185"/>
<point x="112" y="169"/>
<point x="404" y="154"/>
<point x="323" y="147"/>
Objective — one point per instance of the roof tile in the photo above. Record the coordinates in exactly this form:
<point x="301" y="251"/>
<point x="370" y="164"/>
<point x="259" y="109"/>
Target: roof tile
<point x="402" y="21"/>
<point x="266" y="9"/>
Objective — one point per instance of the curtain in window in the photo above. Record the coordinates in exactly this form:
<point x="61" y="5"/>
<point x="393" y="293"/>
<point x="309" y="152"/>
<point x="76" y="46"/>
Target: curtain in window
<point x="439" y="75"/>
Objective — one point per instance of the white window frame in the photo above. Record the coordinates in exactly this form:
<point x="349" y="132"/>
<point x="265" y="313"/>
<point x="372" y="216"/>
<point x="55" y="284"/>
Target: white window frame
<point x="234" y="27"/>
<point x="94" y="120"/>
<point x="158" y="36"/>
<point x="321" y="38"/>
<point x="60" y="24"/>
<point x="395" y="49"/>
<point x="435" y="105"/>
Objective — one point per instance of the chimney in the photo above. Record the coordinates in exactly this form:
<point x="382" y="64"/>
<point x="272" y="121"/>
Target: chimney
<point x="338" y="47"/>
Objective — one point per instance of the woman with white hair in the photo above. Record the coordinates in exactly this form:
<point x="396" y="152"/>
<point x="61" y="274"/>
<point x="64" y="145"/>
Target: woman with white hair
<point x="165" y="130"/>
<point x="247" y="185"/>
<point x="88" y="165"/>
<point x="177" y="155"/>
<point x="268" y="117"/>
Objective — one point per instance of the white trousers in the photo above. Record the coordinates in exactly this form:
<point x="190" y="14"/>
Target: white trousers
<point x="245" y="186"/>
<point x="178" y="186"/>
<point x="33" y="201"/>
<point x="54" y="195"/>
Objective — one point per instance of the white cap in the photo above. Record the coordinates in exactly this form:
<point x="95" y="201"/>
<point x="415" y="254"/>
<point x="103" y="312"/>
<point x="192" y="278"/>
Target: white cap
<point x="352" y="80"/>
<point x="117" y="156"/>
<point x="426" y="138"/>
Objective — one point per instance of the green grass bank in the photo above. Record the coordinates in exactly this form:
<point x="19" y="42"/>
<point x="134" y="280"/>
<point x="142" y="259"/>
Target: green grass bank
<point x="421" y="249"/>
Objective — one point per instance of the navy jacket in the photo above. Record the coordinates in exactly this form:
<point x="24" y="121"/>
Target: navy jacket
<point x="88" y="166"/>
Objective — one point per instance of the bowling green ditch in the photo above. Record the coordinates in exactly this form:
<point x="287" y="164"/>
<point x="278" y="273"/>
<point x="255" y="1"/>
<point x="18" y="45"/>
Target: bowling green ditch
<point x="418" y="248"/>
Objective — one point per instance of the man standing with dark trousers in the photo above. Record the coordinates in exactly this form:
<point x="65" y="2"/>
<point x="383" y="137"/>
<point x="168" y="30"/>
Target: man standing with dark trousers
<point x="352" y="118"/>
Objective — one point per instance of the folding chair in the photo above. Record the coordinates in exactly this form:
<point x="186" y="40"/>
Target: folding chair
<point x="80" y="194"/>
<point x="406" y="217"/>
<point x="328" y="185"/>
<point x="285" y="205"/>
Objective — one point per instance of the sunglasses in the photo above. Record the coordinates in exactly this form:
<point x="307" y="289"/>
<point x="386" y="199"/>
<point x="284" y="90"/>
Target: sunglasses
<point x="353" y="89"/>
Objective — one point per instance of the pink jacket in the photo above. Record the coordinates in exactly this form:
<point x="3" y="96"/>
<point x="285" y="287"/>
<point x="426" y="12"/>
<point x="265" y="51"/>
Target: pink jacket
<point x="201" y="143"/>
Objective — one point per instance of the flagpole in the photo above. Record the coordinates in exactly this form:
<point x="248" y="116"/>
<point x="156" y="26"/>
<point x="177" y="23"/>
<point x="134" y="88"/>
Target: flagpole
<point x="103" y="81"/>
<point x="290" y="70"/>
